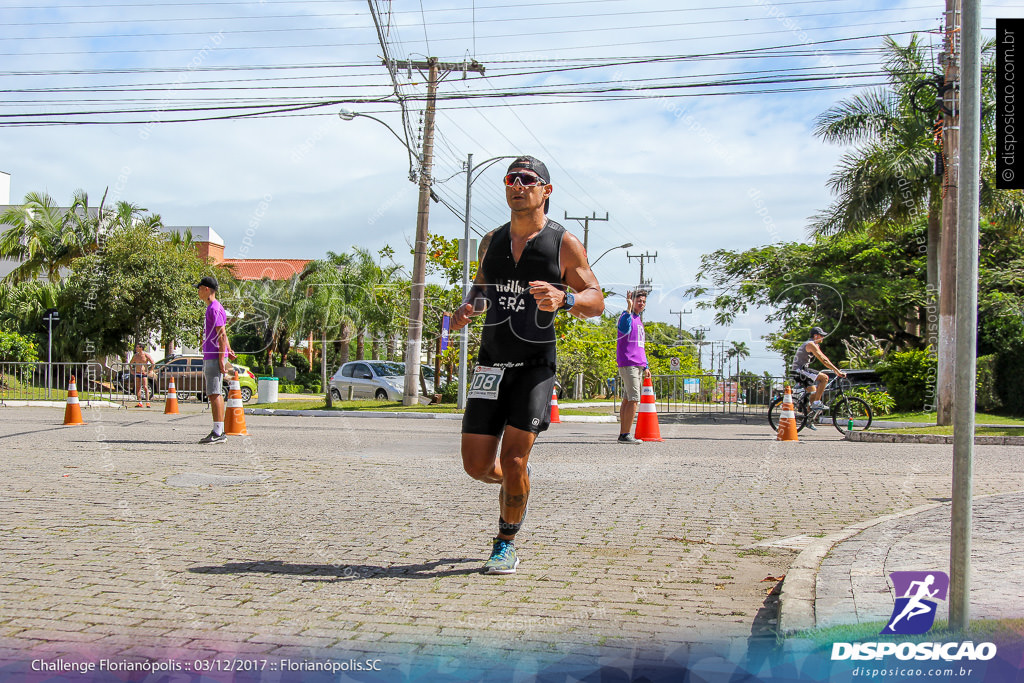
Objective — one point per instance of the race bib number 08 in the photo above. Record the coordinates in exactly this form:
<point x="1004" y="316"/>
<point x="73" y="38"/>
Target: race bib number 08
<point x="485" y="382"/>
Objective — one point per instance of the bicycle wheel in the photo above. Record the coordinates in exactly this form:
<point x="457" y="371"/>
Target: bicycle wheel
<point x="850" y="410"/>
<point x="798" y="411"/>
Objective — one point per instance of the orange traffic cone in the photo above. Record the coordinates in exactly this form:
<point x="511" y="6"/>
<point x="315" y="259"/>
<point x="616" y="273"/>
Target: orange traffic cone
<point x="554" y="406"/>
<point x="787" y="419"/>
<point x="73" y="411"/>
<point x="647" y="416"/>
<point x="234" y="413"/>
<point x="171" y="405"/>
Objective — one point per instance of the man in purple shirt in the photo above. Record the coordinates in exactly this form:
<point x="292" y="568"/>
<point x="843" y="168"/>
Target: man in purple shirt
<point x="215" y="356"/>
<point x="632" y="361"/>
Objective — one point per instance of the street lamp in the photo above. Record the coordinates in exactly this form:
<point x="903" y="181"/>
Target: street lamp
<point x="348" y="115"/>
<point x="466" y="258"/>
<point x="416" y="295"/>
<point x="627" y="245"/>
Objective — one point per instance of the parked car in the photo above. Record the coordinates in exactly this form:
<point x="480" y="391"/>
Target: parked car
<point x="383" y="380"/>
<point x="187" y="373"/>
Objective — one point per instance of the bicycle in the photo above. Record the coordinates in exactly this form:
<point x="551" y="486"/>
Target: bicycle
<point x="849" y="413"/>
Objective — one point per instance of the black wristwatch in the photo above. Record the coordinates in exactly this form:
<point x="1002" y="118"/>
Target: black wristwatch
<point x="570" y="301"/>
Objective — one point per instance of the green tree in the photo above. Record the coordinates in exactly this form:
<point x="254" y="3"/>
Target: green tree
<point x="139" y="287"/>
<point x="15" y="348"/>
<point x="850" y="284"/>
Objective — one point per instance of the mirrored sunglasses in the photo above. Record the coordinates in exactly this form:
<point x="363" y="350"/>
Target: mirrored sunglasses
<point x="523" y="179"/>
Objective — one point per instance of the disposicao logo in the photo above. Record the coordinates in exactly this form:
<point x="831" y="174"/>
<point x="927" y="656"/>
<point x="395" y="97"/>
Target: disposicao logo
<point x="914" y="614"/>
<point x="914" y="611"/>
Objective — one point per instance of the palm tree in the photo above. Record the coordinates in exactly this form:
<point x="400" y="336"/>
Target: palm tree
<point x="888" y="179"/>
<point x="43" y="238"/>
<point x="324" y="307"/>
<point x="739" y="351"/>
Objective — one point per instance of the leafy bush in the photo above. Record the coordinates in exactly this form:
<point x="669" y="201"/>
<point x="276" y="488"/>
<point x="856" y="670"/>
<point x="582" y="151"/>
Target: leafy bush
<point x="986" y="393"/>
<point x="310" y="382"/>
<point x="910" y="377"/>
<point x="15" y="348"/>
<point x="1009" y="368"/>
<point x="880" y="401"/>
<point x="450" y="392"/>
<point x="298" y="360"/>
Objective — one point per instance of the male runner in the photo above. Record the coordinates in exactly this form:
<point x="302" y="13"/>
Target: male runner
<point x="141" y="364"/>
<point x="525" y="266"/>
<point x="802" y="373"/>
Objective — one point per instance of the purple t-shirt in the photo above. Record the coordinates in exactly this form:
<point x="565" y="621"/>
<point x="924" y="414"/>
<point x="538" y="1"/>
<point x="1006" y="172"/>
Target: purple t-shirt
<point x="629" y="348"/>
<point x="215" y="317"/>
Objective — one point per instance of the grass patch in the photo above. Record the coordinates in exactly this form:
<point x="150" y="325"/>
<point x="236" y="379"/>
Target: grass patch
<point x="319" y="403"/>
<point x="995" y="630"/>
<point x="980" y="418"/>
<point x="948" y="431"/>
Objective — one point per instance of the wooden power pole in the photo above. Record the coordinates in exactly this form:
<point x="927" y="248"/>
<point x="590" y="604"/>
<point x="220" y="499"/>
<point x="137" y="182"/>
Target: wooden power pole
<point x="414" y="341"/>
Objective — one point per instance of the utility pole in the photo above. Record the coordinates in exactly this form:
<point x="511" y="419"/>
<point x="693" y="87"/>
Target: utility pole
<point x="586" y="223"/>
<point x="947" y="243"/>
<point x="680" y="314"/>
<point x="646" y="256"/>
<point x="698" y="336"/>
<point x="413" y="344"/>
<point x="967" y="324"/>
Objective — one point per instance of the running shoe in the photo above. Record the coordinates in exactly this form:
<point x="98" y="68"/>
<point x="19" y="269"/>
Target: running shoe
<point x="629" y="438"/>
<point x="139" y="404"/>
<point x="818" y="405"/>
<point x="213" y="437"/>
<point x="810" y="425"/>
<point x="504" y="559"/>
<point x="147" y="404"/>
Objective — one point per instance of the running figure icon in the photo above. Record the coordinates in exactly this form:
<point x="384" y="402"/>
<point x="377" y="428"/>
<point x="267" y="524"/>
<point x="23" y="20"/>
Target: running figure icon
<point x="914" y="611"/>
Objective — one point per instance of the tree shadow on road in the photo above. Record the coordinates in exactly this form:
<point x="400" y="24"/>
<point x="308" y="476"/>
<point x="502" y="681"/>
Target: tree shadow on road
<point x="347" y="572"/>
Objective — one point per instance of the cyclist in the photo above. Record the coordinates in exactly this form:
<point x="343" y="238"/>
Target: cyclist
<point x="802" y="374"/>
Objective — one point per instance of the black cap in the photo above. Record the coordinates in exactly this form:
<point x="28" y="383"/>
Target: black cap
<point x="528" y="163"/>
<point x="208" y="281"/>
<point x="818" y="330"/>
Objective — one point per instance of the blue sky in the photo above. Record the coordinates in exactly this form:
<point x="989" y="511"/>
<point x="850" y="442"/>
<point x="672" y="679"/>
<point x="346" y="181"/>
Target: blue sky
<point x="675" y="174"/>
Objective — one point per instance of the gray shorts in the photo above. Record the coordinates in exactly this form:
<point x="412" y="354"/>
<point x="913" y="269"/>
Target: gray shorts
<point x="804" y="376"/>
<point x="214" y="377"/>
<point x="632" y="377"/>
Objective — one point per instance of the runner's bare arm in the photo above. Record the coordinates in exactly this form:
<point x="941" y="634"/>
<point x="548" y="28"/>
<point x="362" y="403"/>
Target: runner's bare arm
<point x="577" y="274"/>
<point x="819" y="354"/>
<point x="475" y="302"/>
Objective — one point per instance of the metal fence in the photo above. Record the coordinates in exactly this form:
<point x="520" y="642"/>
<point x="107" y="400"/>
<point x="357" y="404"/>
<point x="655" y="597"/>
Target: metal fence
<point x="710" y="394"/>
<point x="41" y="381"/>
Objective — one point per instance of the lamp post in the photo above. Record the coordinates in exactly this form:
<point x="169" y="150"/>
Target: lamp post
<point x="627" y="245"/>
<point x="466" y="258"/>
<point x="348" y="115"/>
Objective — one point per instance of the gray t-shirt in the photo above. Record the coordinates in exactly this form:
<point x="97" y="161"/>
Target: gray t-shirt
<point x="803" y="357"/>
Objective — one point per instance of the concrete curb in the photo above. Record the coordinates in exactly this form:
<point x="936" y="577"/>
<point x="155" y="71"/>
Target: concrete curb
<point x="799" y="588"/>
<point x="879" y="437"/>
<point x="411" y="416"/>
<point x="4" y="403"/>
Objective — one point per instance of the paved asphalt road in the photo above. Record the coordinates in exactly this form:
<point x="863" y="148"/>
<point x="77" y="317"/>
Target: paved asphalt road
<point x="126" y="538"/>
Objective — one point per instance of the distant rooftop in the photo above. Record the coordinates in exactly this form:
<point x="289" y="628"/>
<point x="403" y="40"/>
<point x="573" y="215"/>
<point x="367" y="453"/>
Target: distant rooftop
<point x="270" y="268"/>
